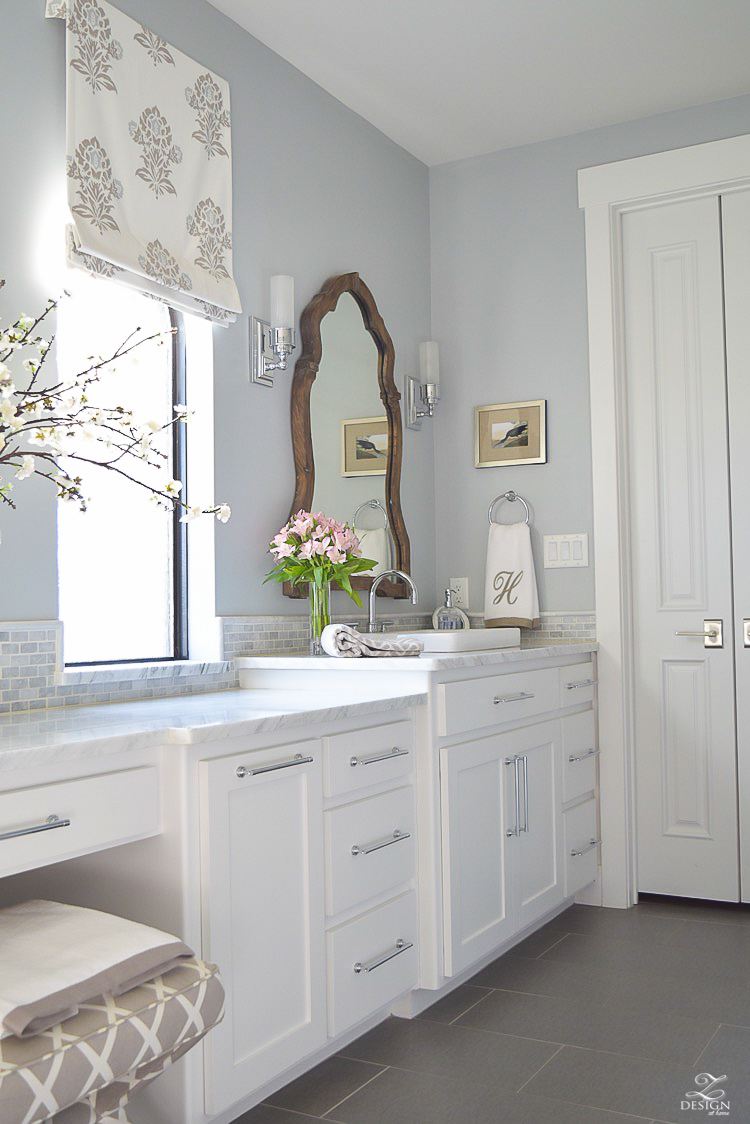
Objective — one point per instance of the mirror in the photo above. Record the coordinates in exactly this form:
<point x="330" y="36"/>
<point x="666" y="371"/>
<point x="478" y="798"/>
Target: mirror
<point x="346" y="423"/>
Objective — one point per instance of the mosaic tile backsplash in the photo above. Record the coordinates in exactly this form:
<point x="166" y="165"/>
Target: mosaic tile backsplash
<point x="32" y="675"/>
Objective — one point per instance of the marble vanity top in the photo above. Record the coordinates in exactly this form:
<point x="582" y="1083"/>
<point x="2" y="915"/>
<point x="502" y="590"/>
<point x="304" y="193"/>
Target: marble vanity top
<point x="427" y="661"/>
<point x="73" y="733"/>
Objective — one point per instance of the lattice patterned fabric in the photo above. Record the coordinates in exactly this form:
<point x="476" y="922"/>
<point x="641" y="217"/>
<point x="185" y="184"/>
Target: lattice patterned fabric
<point x="84" y="1069"/>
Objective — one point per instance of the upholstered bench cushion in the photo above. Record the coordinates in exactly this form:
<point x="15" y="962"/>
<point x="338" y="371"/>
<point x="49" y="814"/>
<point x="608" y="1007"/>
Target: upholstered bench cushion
<point x="85" y="1067"/>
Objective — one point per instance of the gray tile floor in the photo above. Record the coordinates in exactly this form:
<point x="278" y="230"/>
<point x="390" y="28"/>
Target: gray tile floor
<point x="604" y="1016"/>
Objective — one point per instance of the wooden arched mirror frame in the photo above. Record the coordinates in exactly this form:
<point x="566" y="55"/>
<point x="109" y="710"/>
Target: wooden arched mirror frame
<point x="305" y="372"/>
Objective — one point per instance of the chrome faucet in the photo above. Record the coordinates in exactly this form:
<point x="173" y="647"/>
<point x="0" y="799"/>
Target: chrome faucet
<point x="373" y="588"/>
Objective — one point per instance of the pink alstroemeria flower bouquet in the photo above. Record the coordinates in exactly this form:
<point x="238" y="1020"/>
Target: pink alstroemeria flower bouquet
<point x="315" y="549"/>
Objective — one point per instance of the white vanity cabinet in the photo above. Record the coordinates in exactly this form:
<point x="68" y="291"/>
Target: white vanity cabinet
<point x="262" y="905"/>
<point x="501" y="818"/>
<point x="506" y="788"/>
<point x="370" y="843"/>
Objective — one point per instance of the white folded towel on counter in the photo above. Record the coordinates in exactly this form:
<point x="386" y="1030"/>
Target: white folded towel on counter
<point x="375" y="543"/>
<point x="510" y="594"/>
<point x="343" y="640"/>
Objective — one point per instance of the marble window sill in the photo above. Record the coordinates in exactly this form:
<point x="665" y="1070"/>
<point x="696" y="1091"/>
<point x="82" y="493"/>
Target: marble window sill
<point x="133" y="673"/>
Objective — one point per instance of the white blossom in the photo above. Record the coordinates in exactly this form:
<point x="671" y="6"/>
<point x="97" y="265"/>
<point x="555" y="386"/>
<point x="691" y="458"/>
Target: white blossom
<point x="223" y="513"/>
<point x="173" y="487"/>
<point x="28" y="465"/>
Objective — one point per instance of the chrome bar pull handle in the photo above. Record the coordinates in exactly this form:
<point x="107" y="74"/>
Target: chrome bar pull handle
<point x="49" y="825"/>
<point x="375" y="757"/>
<point x="577" y="684"/>
<point x="519" y="697"/>
<point x="511" y="831"/>
<point x="401" y="946"/>
<point x="712" y="635"/>
<point x="574" y="758"/>
<point x="525" y="794"/>
<point x="298" y="759"/>
<point x="584" y="850"/>
<point x="368" y="848"/>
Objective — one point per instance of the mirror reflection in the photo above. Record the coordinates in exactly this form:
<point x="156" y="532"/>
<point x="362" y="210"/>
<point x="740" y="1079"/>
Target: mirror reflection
<point x="346" y="424"/>
<point x="350" y="431"/>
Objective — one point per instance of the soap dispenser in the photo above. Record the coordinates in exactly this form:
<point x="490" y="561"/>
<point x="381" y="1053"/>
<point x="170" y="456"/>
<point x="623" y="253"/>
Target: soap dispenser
<point x="448" y="615"/>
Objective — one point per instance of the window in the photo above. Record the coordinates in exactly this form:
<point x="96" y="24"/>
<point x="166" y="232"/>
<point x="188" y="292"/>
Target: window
<point x="122" y="563"/>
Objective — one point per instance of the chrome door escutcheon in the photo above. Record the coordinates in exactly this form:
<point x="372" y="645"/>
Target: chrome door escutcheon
<point x="713" y="634"/>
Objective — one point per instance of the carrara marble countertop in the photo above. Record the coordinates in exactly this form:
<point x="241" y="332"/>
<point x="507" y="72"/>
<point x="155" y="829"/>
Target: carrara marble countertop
<point x="72" y="733"/>
<point x="432" y="661"/>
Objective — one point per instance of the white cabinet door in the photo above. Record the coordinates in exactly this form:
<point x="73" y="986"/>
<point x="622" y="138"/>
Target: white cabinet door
<point x="682" y="562"/>
<point x="502" y="838"/>
<point x="475" y="786"/>
<point x="263" y="908"/>
<point x="536" y="855"/>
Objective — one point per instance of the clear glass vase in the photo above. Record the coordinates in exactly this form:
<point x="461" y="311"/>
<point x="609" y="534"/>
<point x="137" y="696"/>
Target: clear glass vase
<point x="320" y="614"/>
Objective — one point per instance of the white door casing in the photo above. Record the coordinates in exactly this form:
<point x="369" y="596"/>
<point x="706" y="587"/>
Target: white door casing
<point x="606" y="194"/>
<point x="678" y="461"/>
<point x="736" y="227"/>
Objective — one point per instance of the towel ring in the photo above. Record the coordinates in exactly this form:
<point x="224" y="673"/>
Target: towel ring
<point x="376" y="504"/>
<point x="512" y="496"/>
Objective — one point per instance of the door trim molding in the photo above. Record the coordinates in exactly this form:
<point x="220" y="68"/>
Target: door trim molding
<point x="606" y="193"/>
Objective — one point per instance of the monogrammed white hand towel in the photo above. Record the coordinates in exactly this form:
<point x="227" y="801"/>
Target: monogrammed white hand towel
<point x="510" y="596"/>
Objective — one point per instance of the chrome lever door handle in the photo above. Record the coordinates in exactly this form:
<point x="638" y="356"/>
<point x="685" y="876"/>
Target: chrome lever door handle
<point x="712" y="635"/>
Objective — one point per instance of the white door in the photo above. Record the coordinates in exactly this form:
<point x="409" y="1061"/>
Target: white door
<point x="475" y="787"/>
<point x="537" y="853"/>
<point x="263" y="913"/>
<point x="678" y="455"/>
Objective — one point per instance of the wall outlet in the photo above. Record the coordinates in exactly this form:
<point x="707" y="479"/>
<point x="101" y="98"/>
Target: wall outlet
<point x="460" y="587"/>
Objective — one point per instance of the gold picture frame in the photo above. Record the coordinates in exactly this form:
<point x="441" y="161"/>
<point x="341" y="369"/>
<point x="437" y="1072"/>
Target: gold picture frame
<point x="510" y="433"/>
<point x="364" y="446"/>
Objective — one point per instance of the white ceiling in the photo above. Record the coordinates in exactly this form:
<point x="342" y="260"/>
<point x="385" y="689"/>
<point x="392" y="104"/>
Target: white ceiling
<point x="447" y="79"/>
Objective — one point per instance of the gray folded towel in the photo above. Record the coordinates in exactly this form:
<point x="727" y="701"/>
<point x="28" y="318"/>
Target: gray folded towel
<point x="343" y="640"/>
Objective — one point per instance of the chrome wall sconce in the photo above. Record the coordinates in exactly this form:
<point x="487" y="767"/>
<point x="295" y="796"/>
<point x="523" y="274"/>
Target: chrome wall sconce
<point x="272" y="342"/>
<point x="421" y="394"/>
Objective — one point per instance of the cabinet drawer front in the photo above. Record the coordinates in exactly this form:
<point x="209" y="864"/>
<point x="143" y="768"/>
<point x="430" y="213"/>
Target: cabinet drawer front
<point x="580" y="753"/>
<point x="369" y="848"/>
<point x="581" y="846"/>
<point x="471" y="704"/>
<point x="91" y="813"/>
<point x="365" y="757"/>
<point x="577" y="683"/>
<point x="371" y="961"/>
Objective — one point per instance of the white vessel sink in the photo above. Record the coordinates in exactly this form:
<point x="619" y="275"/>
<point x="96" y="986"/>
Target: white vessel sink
<point x="463" y="639"/>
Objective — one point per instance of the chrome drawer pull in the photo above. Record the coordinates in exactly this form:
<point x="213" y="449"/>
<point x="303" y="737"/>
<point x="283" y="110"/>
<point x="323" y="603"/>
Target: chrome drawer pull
<point x="576" y="684"/>
<point x="513" y="698"/>
<point x="401" y="946"/>
<point x="49" y="825"/>
<point x="298" y="759"/>
<point x="368" y="848"/>
<point x="584" y="850"/>
<point x="574" y="757"/>
<point x="395" y="752"/>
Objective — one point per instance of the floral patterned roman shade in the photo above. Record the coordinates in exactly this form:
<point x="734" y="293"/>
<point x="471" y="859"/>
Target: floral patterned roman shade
<point x="149" y="162"/>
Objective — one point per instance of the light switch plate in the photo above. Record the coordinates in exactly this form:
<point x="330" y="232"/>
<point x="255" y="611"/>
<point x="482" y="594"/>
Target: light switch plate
<point x="566" y="550"/>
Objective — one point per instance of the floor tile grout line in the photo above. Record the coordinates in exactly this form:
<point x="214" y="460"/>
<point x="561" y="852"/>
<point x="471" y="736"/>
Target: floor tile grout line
<point x="702" y="1052"/>
<point x="473" y="1005"/>
<point x="563" y="937"/>
<point x="357" y="1090"/>
<point x="538" y="1071"/>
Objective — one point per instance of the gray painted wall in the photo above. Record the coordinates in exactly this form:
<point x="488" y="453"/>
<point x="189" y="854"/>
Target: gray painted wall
<point x="317" y="191"/>
<point x="509" y="311"/>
